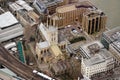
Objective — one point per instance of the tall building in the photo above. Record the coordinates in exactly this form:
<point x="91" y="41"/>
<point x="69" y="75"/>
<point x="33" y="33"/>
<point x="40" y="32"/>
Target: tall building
<point x="94" y="21"/>
<point x="111" y="40"/>
<point x="96" y="59"/>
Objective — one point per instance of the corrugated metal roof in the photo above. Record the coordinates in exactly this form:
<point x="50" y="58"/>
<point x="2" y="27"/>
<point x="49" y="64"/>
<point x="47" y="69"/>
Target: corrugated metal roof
<point x="7" y="19"/>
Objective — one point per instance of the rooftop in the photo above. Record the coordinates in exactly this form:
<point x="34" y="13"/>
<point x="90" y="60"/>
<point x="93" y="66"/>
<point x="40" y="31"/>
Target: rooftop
<point x="11" y="32"/>
<point x="51" y="2"/>
<point x="7" y="19"/>
<point x="71" y="7"/>
<point x="56" y="50"/>
<point x="113" y="34"/>
<point x="24" y="5"/>
<point x="45" y="30"/>
<point x="66" y="8"/>
<point x="5" y="76"/>
<point x="42" y="28"/>
<point x="102" y="56"/>
<point x="91" y="46"/>
<point x="92" y="12"/>
<point x="116" y="45"/>
<point x="40" y="6"/>
<point x="15" y="6"/>
<point x="98" y="55"/>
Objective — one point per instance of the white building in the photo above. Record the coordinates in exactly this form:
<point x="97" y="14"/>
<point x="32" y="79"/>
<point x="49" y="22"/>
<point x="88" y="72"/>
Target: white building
<point x="9" y="27"/>
<point x="95" y="59"/>
<point x="111" y="40"/>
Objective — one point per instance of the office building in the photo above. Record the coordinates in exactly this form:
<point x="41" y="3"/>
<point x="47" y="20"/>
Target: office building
<point x="111" y="40"/>
<point x="94" y="21"/>
<point x="10" y="29"/>
<point x="96" y="59"/>
<point x="43" y="5"/>
<point x="90" y="18"/>
<point x="69" y="13"/>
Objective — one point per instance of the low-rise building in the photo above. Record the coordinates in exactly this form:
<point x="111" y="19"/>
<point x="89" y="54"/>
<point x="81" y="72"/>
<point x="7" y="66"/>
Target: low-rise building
<point x="95" y="59"/>
<point x="9" y="27"/>
<point x="24" y="13"/>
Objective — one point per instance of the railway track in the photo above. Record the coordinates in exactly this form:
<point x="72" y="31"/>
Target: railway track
<point x="16" y="66"/>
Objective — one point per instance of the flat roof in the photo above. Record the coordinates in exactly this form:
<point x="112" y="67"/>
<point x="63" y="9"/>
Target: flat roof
<point x="100" y="57"/>
<point x="66" y="8"/>
<point x="74" y="6"/>
<point x="113" y="33"/>
<point x="7" y="19"/>
<point x="85" y="46"/>
<point x="95" y="58"/>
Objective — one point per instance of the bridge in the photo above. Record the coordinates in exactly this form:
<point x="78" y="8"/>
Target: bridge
<point x="16" y="66"/>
